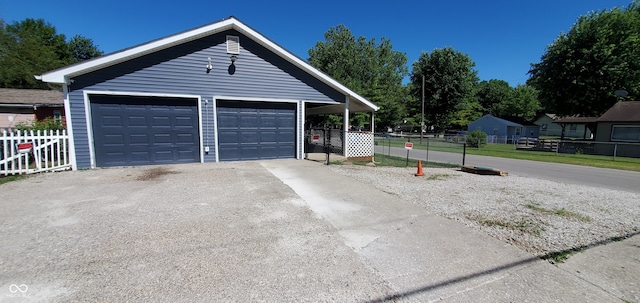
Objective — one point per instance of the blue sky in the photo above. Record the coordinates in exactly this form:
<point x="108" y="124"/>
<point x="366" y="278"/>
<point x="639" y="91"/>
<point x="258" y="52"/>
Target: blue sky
<point x="503" y="37"/>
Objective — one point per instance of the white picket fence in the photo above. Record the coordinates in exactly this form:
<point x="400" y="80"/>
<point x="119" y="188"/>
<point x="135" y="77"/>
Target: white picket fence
<point x="28" y="152"/>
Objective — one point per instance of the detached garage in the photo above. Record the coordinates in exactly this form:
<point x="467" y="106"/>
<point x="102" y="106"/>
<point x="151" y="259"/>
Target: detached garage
<point x="221" y="92"/>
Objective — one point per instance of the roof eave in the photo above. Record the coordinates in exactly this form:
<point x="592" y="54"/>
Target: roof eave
<point x="265" y="42"/>
<point x="63" y="75"/>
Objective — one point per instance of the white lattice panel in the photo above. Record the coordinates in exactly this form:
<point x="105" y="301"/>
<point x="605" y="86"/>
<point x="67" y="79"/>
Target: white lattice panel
<point x="360" y="144"/>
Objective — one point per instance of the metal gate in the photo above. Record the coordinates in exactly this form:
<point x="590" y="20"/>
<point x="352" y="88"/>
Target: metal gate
<point x="324" y="140"/>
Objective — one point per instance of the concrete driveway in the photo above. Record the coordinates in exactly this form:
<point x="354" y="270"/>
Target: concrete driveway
<point x="179" y="233"/>
<point x="268" y="231"/>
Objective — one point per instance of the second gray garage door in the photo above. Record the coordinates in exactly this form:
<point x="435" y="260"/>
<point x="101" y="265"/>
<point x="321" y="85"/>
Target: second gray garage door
<point x="255" y="130"/>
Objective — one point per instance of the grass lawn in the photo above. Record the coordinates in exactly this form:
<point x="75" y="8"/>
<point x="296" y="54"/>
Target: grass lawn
<point x="384" y="160"/>
<point x="6" y="179"/>
<point x="509" y="151"/>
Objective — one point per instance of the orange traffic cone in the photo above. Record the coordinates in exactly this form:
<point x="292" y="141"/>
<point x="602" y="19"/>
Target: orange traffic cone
<point x="419" y="173"/>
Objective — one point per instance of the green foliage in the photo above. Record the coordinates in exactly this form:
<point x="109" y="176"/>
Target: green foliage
<point x="449" y="85"/>
<point x="7" y="179"/>
<point x="386" y="160"/>
<point x="32" y="47"/>
<point x="476" y="138"/>
<point x="524" y="103"/>
<point x="468" y="111"/>
<point x="493" y="95"/>
<point x="373" y="70"/>
<point x="581" y="70"/>
<point x="498" y="98"/>
<point x="82" y="48"/>
<point x="47" y="123"/>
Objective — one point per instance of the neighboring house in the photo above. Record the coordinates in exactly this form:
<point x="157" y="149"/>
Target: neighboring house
<point x="576" y="127"/>
<point x="620" y="124"/>
<point x="23" y="106"/>
<point x="550" y="128"/>
<point x="505" y="127"/>
<point x="220" y="92"/>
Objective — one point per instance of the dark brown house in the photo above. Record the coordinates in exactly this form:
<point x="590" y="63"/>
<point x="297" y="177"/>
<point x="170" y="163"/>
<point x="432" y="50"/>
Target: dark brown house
<point x="620" y="124"/>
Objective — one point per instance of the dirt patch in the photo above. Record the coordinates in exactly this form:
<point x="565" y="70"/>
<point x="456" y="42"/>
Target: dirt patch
<point x="154" y="174"/>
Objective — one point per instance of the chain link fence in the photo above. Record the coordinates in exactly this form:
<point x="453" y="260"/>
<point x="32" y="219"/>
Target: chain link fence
<point x="456" y="144"/>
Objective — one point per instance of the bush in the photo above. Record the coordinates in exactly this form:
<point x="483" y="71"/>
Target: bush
<point x="45" y="124"/>
<point x="476" y="138"/>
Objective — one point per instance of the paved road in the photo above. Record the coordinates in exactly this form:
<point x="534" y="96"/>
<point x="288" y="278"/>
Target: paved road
<point x="574" y="174"/>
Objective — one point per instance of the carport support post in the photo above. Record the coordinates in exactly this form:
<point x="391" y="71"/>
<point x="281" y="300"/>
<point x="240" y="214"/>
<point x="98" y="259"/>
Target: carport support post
<point x="345" y="141"/>
<point x="327" y="138"/>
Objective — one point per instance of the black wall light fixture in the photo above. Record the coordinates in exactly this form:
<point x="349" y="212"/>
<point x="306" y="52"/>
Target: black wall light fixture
<point x="232" y="66"/>
<point x="209" y="66"/>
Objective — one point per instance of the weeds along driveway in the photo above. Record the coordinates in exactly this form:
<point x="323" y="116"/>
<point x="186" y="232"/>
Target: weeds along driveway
<point x="189" y="233"/>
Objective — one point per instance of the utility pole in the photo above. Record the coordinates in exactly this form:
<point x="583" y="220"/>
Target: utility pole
<point x="422" y="122"/>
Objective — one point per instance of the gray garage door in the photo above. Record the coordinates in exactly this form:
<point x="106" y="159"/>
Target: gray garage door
<point x="255" y="130"/>
<point x="144" y="130"/>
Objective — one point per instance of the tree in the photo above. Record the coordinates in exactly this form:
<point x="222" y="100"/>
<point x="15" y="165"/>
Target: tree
<point x="468" y="111"/>
<point x="449" y="84"/>
<point x="493" y="95"/>
<point x="498" y="98"/>
<point x="581" y="70"/>
<point x="82" y="48"/>
<point x="524" y="103"/>
<point x="32" y="47"/>
<point x="373" y="70"/>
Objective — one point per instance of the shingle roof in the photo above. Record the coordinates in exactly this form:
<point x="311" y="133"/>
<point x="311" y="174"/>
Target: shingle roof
<point x="576" y="120"/>
<point x="517" y="120"/>
<point x="625" y="111"/>
<point x="30" y="96"/>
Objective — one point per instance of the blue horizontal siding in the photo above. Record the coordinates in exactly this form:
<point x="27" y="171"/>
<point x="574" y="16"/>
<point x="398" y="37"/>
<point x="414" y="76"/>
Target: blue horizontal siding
<point x="182" y="70"/>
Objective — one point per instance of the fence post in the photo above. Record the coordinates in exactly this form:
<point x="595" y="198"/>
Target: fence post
<point x="464" y="152"/>
<point x="427" y="160"/>
<point x="615" y="151"/>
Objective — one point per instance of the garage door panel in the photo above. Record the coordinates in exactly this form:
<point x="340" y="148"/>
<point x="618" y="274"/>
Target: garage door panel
<point x="228" y="136"/>
<point x="140" y="157"/>
<point x="268" y="122"/>
<point x="284" y="121"/>
<point x="249" y="121"/>
<point x="269" y="152"/>
<point x="185" y="121"/>
<point x="269" y="137"/>
<point x="139" y="139"/>
<point x="160" y="121"/>
<point x="255" y="130"/>
<point x="165" y="155"/>
<point x="162" y="139"/>
<point x="185" y="138"/>
<point x="249" y="137"/>
<point x="144" y="130"/>
<point x="249" y="153"/>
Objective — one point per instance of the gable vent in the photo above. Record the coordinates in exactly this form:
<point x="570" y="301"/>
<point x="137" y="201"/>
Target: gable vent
<point x="233" y="45"/>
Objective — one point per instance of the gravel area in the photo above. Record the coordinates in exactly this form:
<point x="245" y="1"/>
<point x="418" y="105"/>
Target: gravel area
<point x="539" y="216"/>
